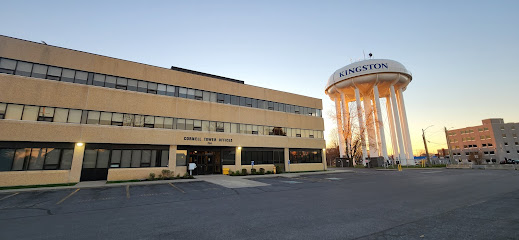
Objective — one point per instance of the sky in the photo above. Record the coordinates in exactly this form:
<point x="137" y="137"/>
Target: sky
<point x="462" y="54"/>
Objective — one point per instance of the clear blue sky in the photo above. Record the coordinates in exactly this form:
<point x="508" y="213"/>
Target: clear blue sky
<point x="463" y="54"/>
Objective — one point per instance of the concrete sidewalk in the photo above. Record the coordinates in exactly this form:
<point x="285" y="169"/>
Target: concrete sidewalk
<point x="222" y="180"/>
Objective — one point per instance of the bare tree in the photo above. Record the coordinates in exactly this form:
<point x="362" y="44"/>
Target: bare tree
<point x="353" y="132"/>
<point x="476" y="157"/>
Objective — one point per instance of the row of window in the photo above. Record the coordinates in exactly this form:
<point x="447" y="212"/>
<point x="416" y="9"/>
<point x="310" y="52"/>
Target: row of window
<point x="33" y="157"/>
<point x="305" y="156"/>
<point x="125" y="158"/>
<point x="262" y="156"/>
<point x="22" y="68"/>
<point x="65" y="115"/>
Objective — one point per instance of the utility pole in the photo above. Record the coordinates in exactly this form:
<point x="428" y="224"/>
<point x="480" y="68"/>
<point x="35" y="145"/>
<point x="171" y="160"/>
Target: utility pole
<point x="426" y="150"/>
<point x="451" y="159"/>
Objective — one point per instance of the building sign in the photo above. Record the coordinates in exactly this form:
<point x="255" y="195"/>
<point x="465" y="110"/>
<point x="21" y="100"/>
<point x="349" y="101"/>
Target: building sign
<point x="363" y="68"/>
<point x="209" y="140"/>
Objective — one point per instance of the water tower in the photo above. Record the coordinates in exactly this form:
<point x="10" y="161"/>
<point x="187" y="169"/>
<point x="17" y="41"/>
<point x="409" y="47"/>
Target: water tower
<point x="365" y="82"/>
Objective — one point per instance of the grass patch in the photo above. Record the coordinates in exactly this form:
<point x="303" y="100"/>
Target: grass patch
<point x="38" y="186"/>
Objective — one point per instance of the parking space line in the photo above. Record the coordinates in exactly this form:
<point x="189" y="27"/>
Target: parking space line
<point x="177" y="188"/>
<point x="128" y="191"/>
<point x="6" y="197"/>
<point x="65" y="198"/>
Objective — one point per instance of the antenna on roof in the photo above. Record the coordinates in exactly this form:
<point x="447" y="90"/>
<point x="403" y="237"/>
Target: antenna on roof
<point x="44" y="42"/>
<point x="370" y="55"/>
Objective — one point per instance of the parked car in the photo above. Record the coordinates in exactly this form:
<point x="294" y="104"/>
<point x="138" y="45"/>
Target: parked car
<point x="509" y="161"/>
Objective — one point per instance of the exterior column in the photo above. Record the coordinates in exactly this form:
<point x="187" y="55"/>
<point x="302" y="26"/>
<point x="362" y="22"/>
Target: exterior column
<point x="361" y="126"/>
<point x="237" y="159"/>
<point x="77" y="163"/>
<point x="370" y="127"/>
<point x="324" y="159"/>
<point x="380" y="125"/>
<point x="392" y="129"/>
<point x="397" y="125"/>
<point x="287" y="158"/>
<point x="405" y="127"/>
<point x="340" y="131"/>
<point x="346" y="122"/>
<point x="172" y="163"/>
<point x="377" y="125"/>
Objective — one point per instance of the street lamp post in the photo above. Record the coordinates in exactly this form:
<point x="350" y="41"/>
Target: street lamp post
<point x="425" y="144"/>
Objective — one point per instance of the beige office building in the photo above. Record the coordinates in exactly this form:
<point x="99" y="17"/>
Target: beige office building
<point x="494" y="141"/>
<point x="68" y="116"/>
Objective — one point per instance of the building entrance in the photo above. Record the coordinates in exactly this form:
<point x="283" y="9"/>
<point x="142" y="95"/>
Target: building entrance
<point x="207" y="162"/>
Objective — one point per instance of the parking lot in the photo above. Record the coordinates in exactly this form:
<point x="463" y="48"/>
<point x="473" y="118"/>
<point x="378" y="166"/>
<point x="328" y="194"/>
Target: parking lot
<point x="364" y="204"/>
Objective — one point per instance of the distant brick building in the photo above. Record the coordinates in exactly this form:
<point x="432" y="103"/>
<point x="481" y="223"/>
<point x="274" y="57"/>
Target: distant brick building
<point x="494" y="141"/>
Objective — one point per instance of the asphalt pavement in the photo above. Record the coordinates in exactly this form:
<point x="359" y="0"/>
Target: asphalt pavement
<point x="364" y="204"/>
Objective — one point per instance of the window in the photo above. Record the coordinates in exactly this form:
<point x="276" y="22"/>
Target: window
<point x="189" y="124"/>
<point x="23" y="69"/>
<point x="128" y="119"/>
<point x="182" y="92"/>
<point x="506" y="144"/>
<point x="81" y="77"/>
<point x="159" y="122"/>
<point x="68" y="75"/>
<point x="161" y="89"/>
<point x="243" y="101"/>
<point x="74" y="116"/>
<point x="149" y="121"/>
<point x="235" y="100"/>
<point x="491" y="152"/>
<point x="54" y="73"/>
<point x="99" y="80"/>
<point x="142" y="86"/>
<point x="205" y="126"/>
<point x="3" y="106"/>
<point x="168" y="123"/>
<point x="117" y="119"/>
<point x="198" y="95"/>
<point x="152" y="88"/>
<point x="7" y="66"/>
<point x="197" y="125"/>
<point x="110" y="82"/>
<point x="220" y="98"/>
<point x="219" y="126"/>
<point x="490" y="144"/>
<point x="234" y="128"/>
<point x="138" y="121"/>
<point x="30" y="113"/>
<point x="132" y="85"/>
<point x="190" y="93"/>
<point x="305" y="156"/>
<point x="212" y="97"/>
<point x="504" y="135"/>
<point x="16" y="156"/>
<point x="106" y="118"/>
<point x="170" y="90"/>
<point x="39" y="71"/>
<point x="60" y="115"/>
<point x="93" y="117"/>
<point x="46" y="114"/>
<point x="228" y="157"/>
<point x="483" y="144"/>
<point x="181" y="124"/>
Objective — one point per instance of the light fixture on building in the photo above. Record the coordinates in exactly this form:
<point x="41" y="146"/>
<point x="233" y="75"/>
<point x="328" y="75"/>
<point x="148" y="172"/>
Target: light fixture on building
<point x="79" y="144"/>
<point x="239" y="148"/>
